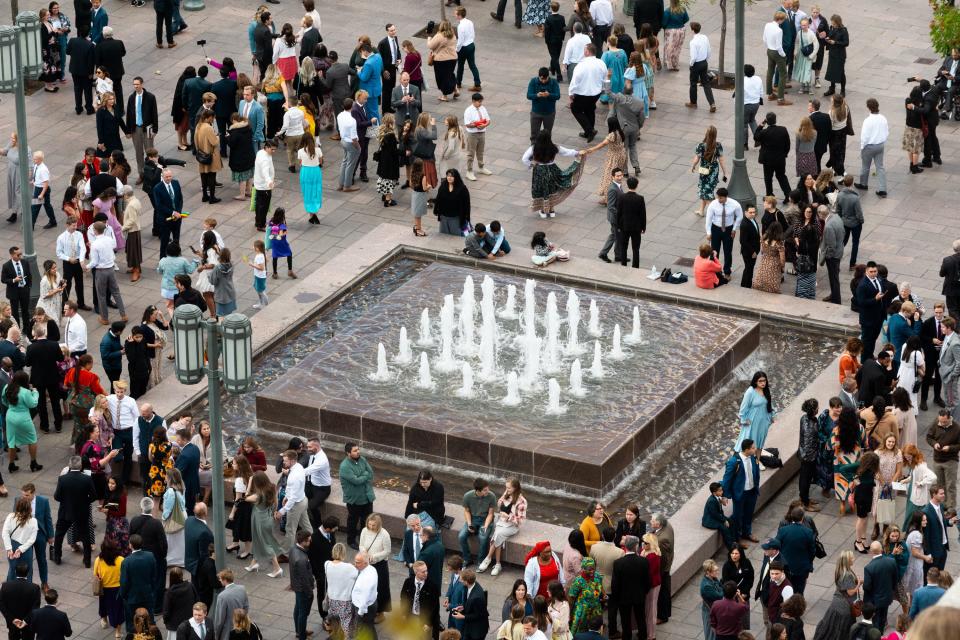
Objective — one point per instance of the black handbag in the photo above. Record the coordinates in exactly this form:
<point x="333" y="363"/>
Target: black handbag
<point x="917" y="380"/>
<point x="806" y="49"/>
<point x="203" y="157"/>
<point x="770" y="458"/>
<point x="819" y="552"/>
<point x="805" y="264"/>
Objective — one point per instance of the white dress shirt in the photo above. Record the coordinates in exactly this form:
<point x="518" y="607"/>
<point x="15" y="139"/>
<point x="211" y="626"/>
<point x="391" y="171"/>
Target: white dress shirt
<point x="263" y="171"/>
<point x="939" y="510"/>
<point x="575" y="48"/>
<point x="474" y="114"/>
<point x="874" y="130"/>
<point x="953" y="72"/>
<point x="41" y="174"/>
<point x="588" y="77"/>
<point x="747" y="472"/>
<point x="364" y="590"/>
<point x="199" y="628"/>
<point x="75" y="333"/>
<point x="773" y="37"/>
<point x="752" y="89"/>
<point x="466" y="34"/>
<point x="602" y="12"/>
<point x="101" y="252"/>
<point x="699" y="49"/>
<point x="724" y="215"/>
<point x="346" y="126"/>
<point x="71" y="245"/>
<point x="293" y="123"/>
<point x="124" y="412"/>
<point x="798" y="16"/>
<point x="318" y="470"/>
<point x="296" y="487"/>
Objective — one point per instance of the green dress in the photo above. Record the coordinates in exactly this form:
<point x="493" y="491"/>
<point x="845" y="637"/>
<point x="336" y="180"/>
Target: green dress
<point x="20" y="429"/>
<point x="587" y="596"/>
<point x="265" y="545"/>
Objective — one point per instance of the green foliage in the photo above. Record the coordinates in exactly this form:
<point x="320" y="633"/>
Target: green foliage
<point x="944" y="26"/>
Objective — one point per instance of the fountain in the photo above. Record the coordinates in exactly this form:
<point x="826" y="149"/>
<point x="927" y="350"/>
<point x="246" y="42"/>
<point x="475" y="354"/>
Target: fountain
<point x="425" y="380"/>
<point x="596" y="369"/>
<point x="573" y="347"/>
<point x="635" y="337"/>
<point x="467" y="322"/>
<point x="529" y="342"/>
<point x="404" y="355"/>
<point x="466" y="391"/>
<point x="551" y="356"/>
<point x="617" y="351"/>
<point x="488" y="347"/>
<point x="425" y="338"/>
<point x="576" y="380"/>
<point x="512" y="398"/>
<point x="553" y="398"/>
<point x="486" y="289"/>
<point x="594" y="327"/>
<point x="446" y="363"/>
<point x="509" y="311"/>
<point x="383" y="373"/>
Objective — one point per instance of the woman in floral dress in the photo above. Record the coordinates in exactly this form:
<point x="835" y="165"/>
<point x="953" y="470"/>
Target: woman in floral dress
<point x="708" y="162"/>
<point x="115" y="507"/>
<point x="825" y="424"/>
<point x="160" y="462"/>
<point x="847" y="442"/>
<point x="536" y="14"/>
<point x="616" y="157"/>
<point x="49" y="53"/>
<point x="586" y="594"/>
<point x="769" y="272"/>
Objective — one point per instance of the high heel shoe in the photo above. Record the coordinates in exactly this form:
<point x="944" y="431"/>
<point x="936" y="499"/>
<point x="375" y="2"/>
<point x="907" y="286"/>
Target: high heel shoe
<point x="276" y="574"/>
<point x="252" y="567"/>
<point x="243" y="556"/>
<point x="12" y="468"/>
<point x="234" y="547"/>
<point x="859" y="546"/>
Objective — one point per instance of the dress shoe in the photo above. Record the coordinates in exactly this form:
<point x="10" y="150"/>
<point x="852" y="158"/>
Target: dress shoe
<point x="862" y="187"/>
<point x="12" y="218"/>
<point x="50" y="225"/>
<point x="591" y="135"/>
<point x="213" y="200"/>
<point x="605" y="258"/>
<point x="475" y="87"/>
<point x="493" y="14"/>
<point x="84" y="307"/>
<point x="171" y="45"/>
<point x="364" y="179"/>
<point x="752" y="538"/>
<point x="690" y="105"/>
<point x="938" y="160"/>
<point x="104" y="322"/>
<point x="813" y="508"/>
<point x="784" y="103"/>
<point x="125" y="318"/>
<point x="923" y="405"/>
<point x="927" y="163"/>
<point x="713" y="108"/>
<point x="881" y="194"/>
<point x="939" y="402"/>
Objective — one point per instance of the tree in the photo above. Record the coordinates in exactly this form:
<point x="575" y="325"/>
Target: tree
<point x="944" y="26"/>
<point x="721" y="79"/>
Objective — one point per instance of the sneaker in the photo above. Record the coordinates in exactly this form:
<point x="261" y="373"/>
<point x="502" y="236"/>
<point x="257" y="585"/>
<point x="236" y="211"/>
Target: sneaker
<point x="470" y="175"/>
<point x="483" y="565"/>
<point x="496" y="570"/>
<point x="552" y="214"/>
<point x="653" y="106"/>
<point x="257" y="306"/>
<point x="543" y="215"/>
<point x="486" y="171"/>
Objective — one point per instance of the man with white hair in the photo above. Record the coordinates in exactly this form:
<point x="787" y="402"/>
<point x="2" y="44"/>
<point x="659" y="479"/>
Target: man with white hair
<point x="150" y="530"/>
<point x="40" y="179"/>
<point x="410" y="550"/>
<point x="109" y="55"/>
<point x="364" y="596"/>
<point x="664" y="532"/>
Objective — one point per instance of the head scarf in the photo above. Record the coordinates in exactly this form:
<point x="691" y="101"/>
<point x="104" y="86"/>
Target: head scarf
<point x="537" y="550"/>
<point x="587" y="567"/>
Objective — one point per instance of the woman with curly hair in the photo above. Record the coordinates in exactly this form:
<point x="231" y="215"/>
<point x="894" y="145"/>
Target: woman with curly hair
<point x="847" y="443"/>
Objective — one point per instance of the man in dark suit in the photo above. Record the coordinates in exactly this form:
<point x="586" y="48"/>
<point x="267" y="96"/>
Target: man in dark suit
<point x="774" y="143"/>
<point x="142" y="122"/>
<point x="741" y="483"/>
<point x="614" y="193"/>
<point x="934" y="534"/>
<point x="320" y="550"/>
<point x="336" y="80"/>
<point x="869" y="296"/>
<point x="75" y="492"/>
<point x="420" y="598"/>
<point x="405" y="100"/>
<point x="880" y="581"/>
<point x="931" y="115"/>
<point x="80" y="50"/>
<point x="153" y="540"/>
<point x="799" y="548"/>
<point x="137" y="577"/>
<point x="648" y="12"/>
<point x="16" y="275"/>
<point x="226" y="105"/>
<point x="45" y="532"/>
<point x="629" y="585"/>
<point x="950" y="272"/>
<point x="713" y="517"/>
<point x="473" y="613"/>
<point x="821" y="123"/>
<point x="164" y="16"/>
<point x="301" y="583"/>
<point x="263" y="36"/>
<point x="193" y="90"/>
<point x="168" y="200"/>
<point x="771" y="553"/>
<point x="931" y="335"/>
<point x="98" y="20"/>
<point x="81" y="11"/>
<point x="49" y="623"/>
<point x="188" y="462"/>
<point x="43" y="355"/>
<point x="310" y="37"/>
<point x="631" y="222"/>
<point x="109" y="55"/>
<point x="411" y="541"/>
<point x="18" y="599"/>
<point x="197" y="537"/>
<point x="198" y="626"/>
<point x="749" y="244"/>
<point x="554" y="31"/>
<point x="392" y="55"/>
<point x="873" y="380"/>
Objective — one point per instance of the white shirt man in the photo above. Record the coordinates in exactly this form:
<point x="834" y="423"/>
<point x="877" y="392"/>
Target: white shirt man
<point x="263" y="175"/>
<point x="101" y="249"/>
<point x="74" y="332"/>
<point x="724" y="214"/>
<point x="875" y="130"/>
<point x="318" y="469"/>
<point x="71" y="248"/>
<point x="466" y="34"/>
<point x="364" y="593"/>
<point x="773" y="37"/>
<point x="296" y="488"/>
<point x="873" y="135"/>
<point x="588" y="77"/>
<point x="123" y="410"/>
<point x="531" y="632"/>
<point x="752" y="89"/>
<point x="347" y="126"/>
<point x="573" y="54"/>
<point x="602" y="13"/>
<point x="699" y="49"/>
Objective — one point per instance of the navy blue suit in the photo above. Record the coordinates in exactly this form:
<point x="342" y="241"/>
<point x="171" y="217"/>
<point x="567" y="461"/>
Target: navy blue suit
<point x="163" y="209"/>
<point x="136" y="584"/>
<point x="933" y="538"/>
<point x="188" y="462"/>
<point x="197" y="540"/>
<point x="744" y="502"/>
<point x="99" y="20"/>
<point x="45" y="533"/>
<point x="872" y="315"/>
<point x="880" y="579"/>
<point x="49" y="623"/>
<point x="798" y="547"/>
<point x="713" y="518"/>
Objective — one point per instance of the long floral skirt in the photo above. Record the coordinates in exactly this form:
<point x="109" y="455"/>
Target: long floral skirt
<point x="672" y="44"/>
<point x="551" y="185"/>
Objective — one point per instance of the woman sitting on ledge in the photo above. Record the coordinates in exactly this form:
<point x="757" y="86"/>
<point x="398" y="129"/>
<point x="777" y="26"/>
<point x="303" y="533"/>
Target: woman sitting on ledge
<point x="545" y="252"/>
<point x="707" y="270"/>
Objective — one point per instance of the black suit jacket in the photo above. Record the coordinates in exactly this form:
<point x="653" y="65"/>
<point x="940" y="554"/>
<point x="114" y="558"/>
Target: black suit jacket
<point x="197" y="540"/>
<point x="150" y="529"/>
<point x="7" y="275"/>
<point x="309" y="41"/>
<point x="389" y="64"/>
<point x="185" y="630"/>
<point x="950" y="272"/>
<point x="148" y="106"/>
<point x="320" y="551"/>
<point x="630" y="579"/>
<point x="873" y="381"/>
<point x="631" y="212"/>
<point x="82" y="11"/>
<point x="80" y="51"/>
<point x="476" y="621"/>
<point x="49" y="623"/>
<point x="750" y="237"/>
<point x="18" y="599"/>
<point x="821" y="122"/>
<point x="650" y="12"/>
<point x="226" y="91"/>
<point x="880" y="581"/>
<point x="12" y="351"/>
<point x="42" y="358"/>
<point x="774" y="142"/>
<point x="931" y="100"/>
<point x="109" y="55"/>
<point x="872" y="311"/>
<point x="429" y="603"/>
<point x="163" y="205"/>
<point x="554" y="29"/>
<point x="75" y="492"/>
<point x="928" y="331"/>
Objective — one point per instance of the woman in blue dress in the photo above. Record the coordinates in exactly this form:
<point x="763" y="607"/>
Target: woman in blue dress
<point x="279" y="244"/>
<point x="616" y="61"/>
<point x="756" y="412"/>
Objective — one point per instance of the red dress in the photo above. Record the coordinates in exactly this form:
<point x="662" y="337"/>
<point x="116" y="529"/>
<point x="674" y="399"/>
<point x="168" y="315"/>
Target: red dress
<point x="548" y="573"/>
<point x="257" y="459"/>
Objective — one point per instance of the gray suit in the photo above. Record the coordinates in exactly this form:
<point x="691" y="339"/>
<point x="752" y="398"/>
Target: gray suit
<point x="233" y="596"/>
<point x="405" y="111"/>
<point x="950" y="371"/>
<point x="614" y="191"/>
<point x="629" y="113"/>
<point x="337" y="81"/>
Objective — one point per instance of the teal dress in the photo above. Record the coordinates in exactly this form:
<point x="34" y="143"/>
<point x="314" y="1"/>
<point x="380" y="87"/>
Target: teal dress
<point x="20" y="429"/>
<point x="616" y="61"/>
<point x="755" y="420"/>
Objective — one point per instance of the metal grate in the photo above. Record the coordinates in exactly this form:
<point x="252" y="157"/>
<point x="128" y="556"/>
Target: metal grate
<point x="683" y="262"/>
<point x="924" y="61"/>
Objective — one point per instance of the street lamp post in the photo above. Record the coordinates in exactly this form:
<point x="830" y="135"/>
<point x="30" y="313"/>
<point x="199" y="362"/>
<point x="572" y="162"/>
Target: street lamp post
<point x="20" y="60"/>
<point x="190" y="332"/>
<point x="740" y="188"/>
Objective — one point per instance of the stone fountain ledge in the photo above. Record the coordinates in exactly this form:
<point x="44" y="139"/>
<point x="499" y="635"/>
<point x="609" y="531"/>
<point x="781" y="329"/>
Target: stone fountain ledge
<point x="314" y="292"/>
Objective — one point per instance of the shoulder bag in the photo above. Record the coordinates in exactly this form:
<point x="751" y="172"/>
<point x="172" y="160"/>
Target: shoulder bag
<point x="203" y="157"/>
<point x="177" y="519"/>
<point x="97" y="586"/>
<point x="917" y="379"/>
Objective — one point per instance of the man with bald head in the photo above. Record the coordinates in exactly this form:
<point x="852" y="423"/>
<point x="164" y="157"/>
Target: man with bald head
<point x="405" y="100"/>
<point x="880" y="579"/>
<point x="168" y="203"/>
<point x="364" y="596"/>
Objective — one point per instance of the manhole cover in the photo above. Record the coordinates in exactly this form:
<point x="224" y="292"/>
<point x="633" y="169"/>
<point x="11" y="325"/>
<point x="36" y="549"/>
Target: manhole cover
<point x="924" y="61"/>
<point x="306" y="297"/>
<point x="684" y="262"/>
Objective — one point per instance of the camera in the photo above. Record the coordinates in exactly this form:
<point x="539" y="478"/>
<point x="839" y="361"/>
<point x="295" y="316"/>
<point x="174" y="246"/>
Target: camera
<point x="201" y="42"/>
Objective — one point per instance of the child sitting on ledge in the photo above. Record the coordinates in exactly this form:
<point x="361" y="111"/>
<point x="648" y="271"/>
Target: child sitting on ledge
<point x="545" y="252"/>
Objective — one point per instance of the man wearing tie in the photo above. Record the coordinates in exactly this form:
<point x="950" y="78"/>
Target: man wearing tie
<point x="196" y="627"/>
<point x="16" y="275"/>
<point x="168" y="200"/>
<point x="405" y="101"/>
<point x="949" y="363"/>
<point x="319" y="551"/>
<point x="389" y="49"/>
<point x="253" y="112"/>
<point x="318" y="481"/>
<point x="723" y="218"/>
<point x="872" y="311"/>
<point x="614" y="191"/>
<point x="421" y="599"/>
<point x="142" y="121"/>
<point x="931" y="335"/>
<point x="72" y="251"/>
<point x="749" y="245"/>
<point x="411" y="541"/>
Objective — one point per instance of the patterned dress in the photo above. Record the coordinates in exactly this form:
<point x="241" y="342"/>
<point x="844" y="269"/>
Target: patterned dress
<point x="844" y="465"/>
<point x="825" y="456"/>
<point x="708" y="181"/>
<point x="160" y="462"/>
<point x="769" y="271"/>
<point x="616" y="157"/>
<point x="537" y="12"/>
<point x="586" y="593"/>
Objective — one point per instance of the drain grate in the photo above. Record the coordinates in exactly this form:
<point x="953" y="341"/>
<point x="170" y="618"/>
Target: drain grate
<point x="924" y="61"/>
<point x="683" y="262"/>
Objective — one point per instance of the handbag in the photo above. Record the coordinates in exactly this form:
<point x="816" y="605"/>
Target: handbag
<point x="177" y="519"/>
<point x="886" y="505"/>
<point x="819" y="552"/>
<point x="704" y="171"/>
<point x="203" y="157"/>
<point x="430" y="59"/>
<point x="97" y="584"/>
<point x="805" y="264"/>
<point x="849" y="129"/>
<point x="917" y="380"/>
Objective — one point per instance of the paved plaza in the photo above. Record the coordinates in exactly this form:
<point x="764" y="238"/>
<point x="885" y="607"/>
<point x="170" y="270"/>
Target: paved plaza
<point x="909" y="231"/>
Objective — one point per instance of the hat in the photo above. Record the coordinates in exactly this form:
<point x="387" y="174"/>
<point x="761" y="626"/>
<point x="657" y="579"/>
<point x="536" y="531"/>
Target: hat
<point x="771" y="543"/>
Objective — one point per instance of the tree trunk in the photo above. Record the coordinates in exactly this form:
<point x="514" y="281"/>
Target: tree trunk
<point x="721" y="78"/>
<point x="443" y="10"/>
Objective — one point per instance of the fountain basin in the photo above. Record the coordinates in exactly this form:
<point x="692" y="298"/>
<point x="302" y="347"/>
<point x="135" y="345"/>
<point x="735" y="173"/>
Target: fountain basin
<point x="685" y="353"/>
